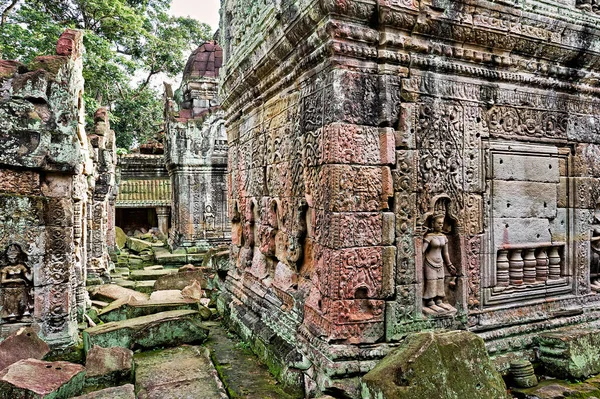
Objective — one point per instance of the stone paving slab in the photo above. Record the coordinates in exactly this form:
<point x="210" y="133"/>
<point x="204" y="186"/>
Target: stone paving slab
<point x="178" y="373"/>
<point x="161" y="329"/>
<point x="242" y="373"/>
<point x="121" y="392"/>
<point x="33" y="379"/>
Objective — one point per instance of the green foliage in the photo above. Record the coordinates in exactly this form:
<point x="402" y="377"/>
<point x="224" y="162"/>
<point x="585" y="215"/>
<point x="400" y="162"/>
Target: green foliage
<point x="123" y="39"/>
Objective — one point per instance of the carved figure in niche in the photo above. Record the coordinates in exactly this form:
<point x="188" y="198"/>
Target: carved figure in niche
<point x="595" y="260"/>
<point x="436" y="259"/>
<point x="209" y="218"/>
<point x="15" y="286"/>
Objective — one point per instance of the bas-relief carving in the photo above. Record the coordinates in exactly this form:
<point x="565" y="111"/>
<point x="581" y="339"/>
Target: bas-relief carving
<point x="16" y="282"/>
<point x="439" y="273"/>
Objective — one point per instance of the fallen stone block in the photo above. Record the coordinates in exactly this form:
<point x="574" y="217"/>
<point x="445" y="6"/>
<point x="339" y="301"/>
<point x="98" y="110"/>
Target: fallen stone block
<point x="33" y="379"/>
<point x="112" y="292"/>
<point x="571" y="353"/>
<point x="124" y="309"/>
<point x="183" y="372"/>
<point x="122" y="392"/>
<point x="108" y="366"/>
<point x="138" y="275"/>
<point x="162" y="329"/>
<point x="137" y="245"/>
<point x="180" y="280"/>
<point x="22" y="344"/>
<point x="454" y="361"/>
<point x="171" y="259"/>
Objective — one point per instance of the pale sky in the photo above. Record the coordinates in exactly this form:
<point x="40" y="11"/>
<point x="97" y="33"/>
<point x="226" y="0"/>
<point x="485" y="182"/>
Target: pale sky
<point x="202" y="10"/>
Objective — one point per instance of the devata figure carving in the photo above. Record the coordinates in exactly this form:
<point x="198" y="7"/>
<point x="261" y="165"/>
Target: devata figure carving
<point x="435" y="261"/>
<point x="15" y="286"/>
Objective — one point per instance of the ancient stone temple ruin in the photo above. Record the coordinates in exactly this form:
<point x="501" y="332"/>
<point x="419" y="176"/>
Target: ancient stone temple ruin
<point x="54" y="183"/>
<point x="403" y="165"/>
<point x="196" y="153"/>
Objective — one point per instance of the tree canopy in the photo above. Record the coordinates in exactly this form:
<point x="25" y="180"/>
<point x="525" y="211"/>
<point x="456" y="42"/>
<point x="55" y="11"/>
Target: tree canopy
<point x="128" y="43"/>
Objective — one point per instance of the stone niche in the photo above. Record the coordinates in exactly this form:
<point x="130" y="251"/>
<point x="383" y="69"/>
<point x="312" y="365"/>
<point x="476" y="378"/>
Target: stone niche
<point x="44" y="169"/>
<point x="196" y="153"/>
<point x="408" y="165"/>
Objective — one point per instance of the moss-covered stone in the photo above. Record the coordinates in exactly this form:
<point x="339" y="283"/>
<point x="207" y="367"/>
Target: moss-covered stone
<point x="448" y="365"/>
<point x="572" y="353"/>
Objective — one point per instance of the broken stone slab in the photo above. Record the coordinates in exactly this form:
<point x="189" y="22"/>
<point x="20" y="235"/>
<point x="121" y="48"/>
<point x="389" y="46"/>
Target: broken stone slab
<point x="181" y="279"/>
<point x="121" y="392"/>
<point x="183" y="372"/>
<point x="111" y="292"/>
<point x="455" y="360"/>
<point x="170" y="328"/>
<point x="155" y="267"/>
<point x="22" y="344"/>
<point x="145" y="286"/>
<point x="108" y="366"/>
<point x="137" y="245"/>
<point x="33" y="379"/>
<point x="141" y="275"/>
<point x="129" y="308"/>
<point x="570" y="353"/>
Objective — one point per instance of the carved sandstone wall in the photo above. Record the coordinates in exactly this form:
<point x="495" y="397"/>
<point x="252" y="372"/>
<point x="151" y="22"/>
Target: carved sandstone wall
<point x="404" y="165"/>
<point x="44" y="169"/>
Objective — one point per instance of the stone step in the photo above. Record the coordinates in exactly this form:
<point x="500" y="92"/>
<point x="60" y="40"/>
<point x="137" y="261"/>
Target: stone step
<point x="139" y="275"/>
<point x="171" y="259"/>
<point x="145" y="286"/>
<point x="161" y="329"/>
<point x="183" y="372"/>
<point x="155" y="267"/>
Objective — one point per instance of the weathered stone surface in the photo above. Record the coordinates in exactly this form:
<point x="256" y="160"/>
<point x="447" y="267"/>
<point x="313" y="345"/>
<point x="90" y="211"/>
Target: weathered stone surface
<point x="22" y="344"/>
<point x="455" y="363"/>
<point x="121" y="392"/>
<point x="571" y="353"/>
<point x="108" y="366"/>
<point x="184" y="372"/>
<point x="32" y="379"/>
<point x="111" y="292"/>
<point x="180" y="280"/>
<point x="162" y="329"/>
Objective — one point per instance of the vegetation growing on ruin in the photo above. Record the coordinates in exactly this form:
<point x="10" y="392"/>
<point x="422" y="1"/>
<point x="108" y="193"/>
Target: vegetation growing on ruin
<point x="128" y="44"/>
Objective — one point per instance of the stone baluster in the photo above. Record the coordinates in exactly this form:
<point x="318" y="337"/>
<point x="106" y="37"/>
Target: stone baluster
<point x="529" y="266"/>
<point x="515" y="267"/>
<point x="502" y="268"/>
<point x="541" y="268"/>
<point x="554" y="264"/>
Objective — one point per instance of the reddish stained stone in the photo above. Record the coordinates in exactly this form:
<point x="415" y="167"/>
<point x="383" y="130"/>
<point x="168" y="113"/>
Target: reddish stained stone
<point x="205" y="61"/>
<point x="22" y="344"/>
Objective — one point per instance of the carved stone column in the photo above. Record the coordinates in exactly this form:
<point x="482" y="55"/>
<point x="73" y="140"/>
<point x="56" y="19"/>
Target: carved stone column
<point x="163" y="213"/>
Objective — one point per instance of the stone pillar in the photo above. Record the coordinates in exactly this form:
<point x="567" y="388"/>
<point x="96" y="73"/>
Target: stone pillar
<point x="163" y="213"/>
<point x="44" y="193"/>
